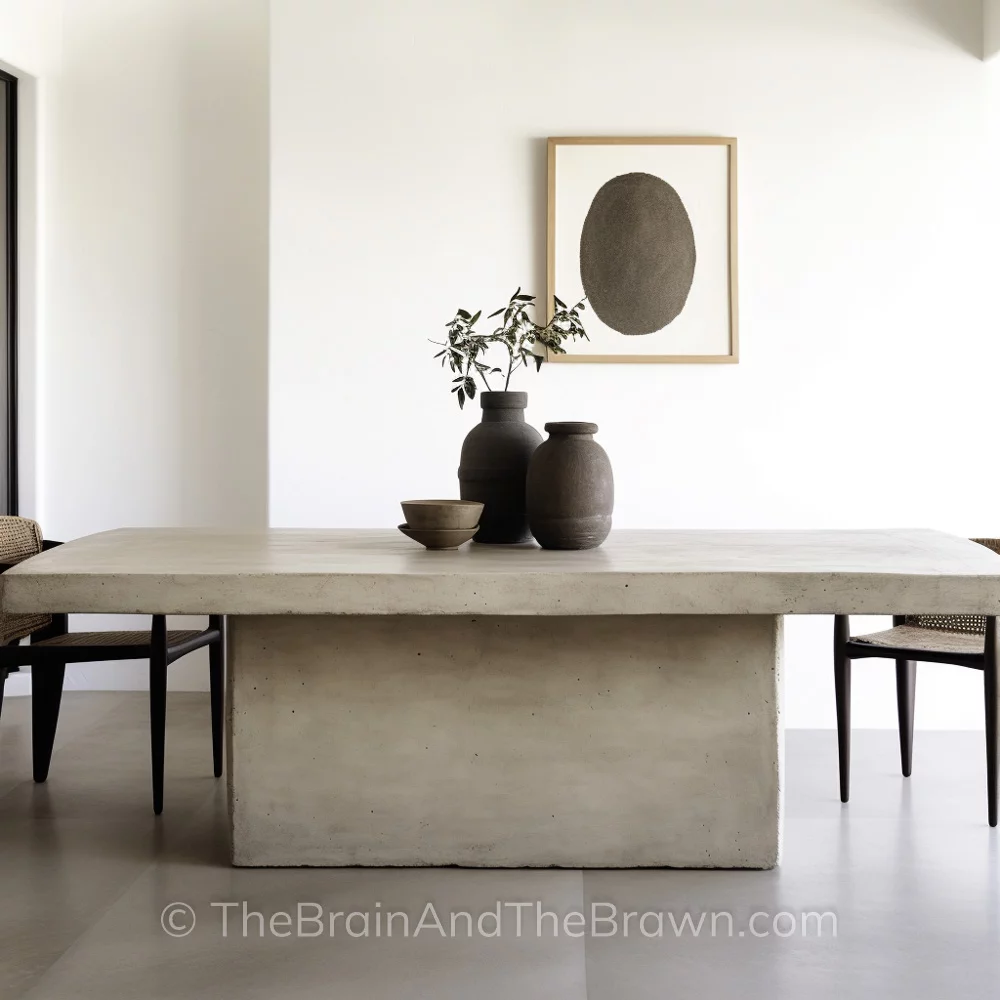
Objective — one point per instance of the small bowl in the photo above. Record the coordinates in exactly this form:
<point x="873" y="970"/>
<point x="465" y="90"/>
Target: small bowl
<point x="439" y="538"/>
<point x="451" y="514"/>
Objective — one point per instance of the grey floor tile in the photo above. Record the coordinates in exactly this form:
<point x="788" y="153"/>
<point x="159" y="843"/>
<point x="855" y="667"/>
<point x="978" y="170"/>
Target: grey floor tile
<point x="909" y="868"/>
<point x="127" y="953"/>
<point x="71" y="847"/>
<point x="15" y="731"/>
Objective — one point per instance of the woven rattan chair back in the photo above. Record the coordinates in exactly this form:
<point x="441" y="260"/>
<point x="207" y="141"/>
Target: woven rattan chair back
<point x="969" y="624"/>
<point x="20" y="538"/>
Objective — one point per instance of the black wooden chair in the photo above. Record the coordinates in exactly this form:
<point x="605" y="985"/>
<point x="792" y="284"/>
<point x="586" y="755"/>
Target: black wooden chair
<point x="52" y="646"/>
<point x="964" y="640"/>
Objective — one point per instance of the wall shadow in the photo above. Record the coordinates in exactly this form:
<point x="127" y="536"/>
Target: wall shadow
<point x="959" y="21"/>
<point x="223" y="271"/>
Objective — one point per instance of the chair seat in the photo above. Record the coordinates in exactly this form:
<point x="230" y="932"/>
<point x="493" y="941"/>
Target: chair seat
<point x="930" y="640"/>
<point x="174" y="638"/>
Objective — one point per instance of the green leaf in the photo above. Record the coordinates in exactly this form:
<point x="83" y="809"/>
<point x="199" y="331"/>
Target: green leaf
<point x="464" y="314"/>
<point x="559" y="302"/>
<point x="538" y="362"/>
<point x="461" y="399"/>
<point x="474" y="318"/>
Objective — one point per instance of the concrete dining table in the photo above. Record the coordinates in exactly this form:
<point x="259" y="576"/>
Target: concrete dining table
<point x="506" y="706"/>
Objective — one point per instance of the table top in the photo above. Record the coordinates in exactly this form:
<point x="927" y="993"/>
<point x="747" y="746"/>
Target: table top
<point x="297" y="571"/>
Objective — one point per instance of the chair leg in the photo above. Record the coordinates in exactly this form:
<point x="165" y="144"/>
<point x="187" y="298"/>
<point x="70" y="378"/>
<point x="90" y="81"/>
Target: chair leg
<point x="3" y="680"/>
<point x="842" y="676"/>
<point x="158" y="707"/>
<point x="46" y="694"/>
<point x="216" y="662"/>
<point x="842" y="684"/>
<point x="991" y="683"/>
<point x="906" y="692"/>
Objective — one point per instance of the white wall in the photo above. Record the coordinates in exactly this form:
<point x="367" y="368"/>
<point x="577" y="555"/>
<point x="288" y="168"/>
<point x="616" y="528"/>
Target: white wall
<point x="408" y="176"/>
<point x="150" y="384"/>
<point x="29" y="32"/>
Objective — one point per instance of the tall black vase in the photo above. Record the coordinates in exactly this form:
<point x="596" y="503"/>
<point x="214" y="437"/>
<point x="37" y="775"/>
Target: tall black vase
<point x="494" y="466"/>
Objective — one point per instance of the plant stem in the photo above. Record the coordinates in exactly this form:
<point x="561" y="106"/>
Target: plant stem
<point x="510" y="367"/>
<point x="482" y="375"/>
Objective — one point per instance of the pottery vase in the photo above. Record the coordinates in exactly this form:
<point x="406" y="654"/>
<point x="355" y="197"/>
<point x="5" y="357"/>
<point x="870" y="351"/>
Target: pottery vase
<point x="494" y="467"/>
<point x="570" y="488"/>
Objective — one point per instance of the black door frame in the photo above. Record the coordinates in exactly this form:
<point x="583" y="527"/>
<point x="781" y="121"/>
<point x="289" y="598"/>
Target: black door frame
<point x="10" y="334"/>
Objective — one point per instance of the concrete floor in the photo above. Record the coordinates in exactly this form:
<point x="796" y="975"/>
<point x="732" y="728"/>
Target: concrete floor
<point x="910" y="869"/>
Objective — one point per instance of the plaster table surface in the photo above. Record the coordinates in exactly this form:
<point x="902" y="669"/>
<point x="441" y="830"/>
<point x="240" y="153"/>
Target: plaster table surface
<point x="299" y="571"/>
<point x="506" y="706"/>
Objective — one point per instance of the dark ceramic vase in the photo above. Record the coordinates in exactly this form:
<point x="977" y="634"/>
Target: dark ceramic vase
<point x="571" y="490"/>
<point x="494" y="465"/>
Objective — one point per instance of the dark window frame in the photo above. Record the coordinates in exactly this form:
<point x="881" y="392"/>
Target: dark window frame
<point x="10" y="334"/>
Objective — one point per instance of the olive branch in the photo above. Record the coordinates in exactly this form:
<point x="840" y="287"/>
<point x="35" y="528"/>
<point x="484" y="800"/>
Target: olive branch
<point x="465" y="349"/>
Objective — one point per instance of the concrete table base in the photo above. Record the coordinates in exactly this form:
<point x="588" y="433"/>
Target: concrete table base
<point x="605" y="741"/>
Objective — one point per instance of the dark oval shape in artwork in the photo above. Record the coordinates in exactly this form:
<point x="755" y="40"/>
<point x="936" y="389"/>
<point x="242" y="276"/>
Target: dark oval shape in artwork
<point x="637" y="254"/>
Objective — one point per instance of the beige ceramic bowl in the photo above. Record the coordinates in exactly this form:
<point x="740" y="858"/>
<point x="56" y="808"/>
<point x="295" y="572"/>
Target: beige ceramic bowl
<point x="439" y="538"/>
<point x="448" y="514"/>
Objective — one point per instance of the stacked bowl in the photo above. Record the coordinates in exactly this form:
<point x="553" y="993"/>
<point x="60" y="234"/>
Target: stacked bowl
<point x="441" y="524"/>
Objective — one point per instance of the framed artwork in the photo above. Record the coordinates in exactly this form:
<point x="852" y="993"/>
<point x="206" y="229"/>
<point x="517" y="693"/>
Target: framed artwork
<point x="645" y="228"/>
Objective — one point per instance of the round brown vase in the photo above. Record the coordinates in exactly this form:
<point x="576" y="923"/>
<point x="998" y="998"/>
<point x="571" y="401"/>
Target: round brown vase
<point x="494" y="465"/>
<point x="571" y="490"/>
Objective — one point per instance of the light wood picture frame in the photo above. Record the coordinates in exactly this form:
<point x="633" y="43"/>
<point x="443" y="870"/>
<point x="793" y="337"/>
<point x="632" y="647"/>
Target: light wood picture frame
<point x="649" y="226"/>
